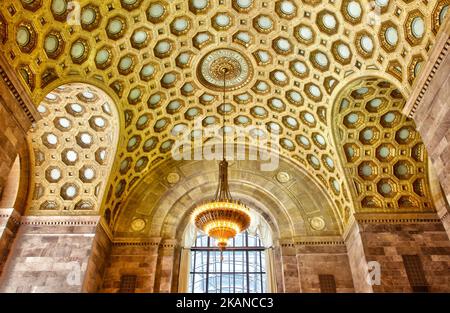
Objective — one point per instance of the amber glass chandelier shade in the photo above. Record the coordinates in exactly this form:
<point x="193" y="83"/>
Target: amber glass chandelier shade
<point x="222" y="220"/>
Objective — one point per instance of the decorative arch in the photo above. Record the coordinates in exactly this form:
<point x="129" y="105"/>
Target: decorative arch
<point x="381" y="151"/>
<point x="160" y="204"/>
<point x="73" y="148"/>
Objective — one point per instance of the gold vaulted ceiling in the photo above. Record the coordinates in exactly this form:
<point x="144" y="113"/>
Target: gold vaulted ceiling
<point x="304" y="56"/>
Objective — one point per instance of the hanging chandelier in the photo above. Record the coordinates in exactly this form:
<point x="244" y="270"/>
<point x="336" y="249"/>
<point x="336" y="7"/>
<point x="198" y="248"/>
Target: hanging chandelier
<point x="223" y="217"/>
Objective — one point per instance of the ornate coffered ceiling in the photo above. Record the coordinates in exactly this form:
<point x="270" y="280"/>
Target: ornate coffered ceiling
<point x="383" y="154"/>
<point x="73" y="150"/>
<point x="295" y="58"/>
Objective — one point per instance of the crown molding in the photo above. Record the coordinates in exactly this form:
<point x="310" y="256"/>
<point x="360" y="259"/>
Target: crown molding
<point x="311" y="241"/>
<point x="319" y="241"/>
<point x="393" y="218"/>
<point x="120" y="242"/>
<point x="388" y="218"/>
<point x="60" y="220"/>
<point x="438" y="57"/>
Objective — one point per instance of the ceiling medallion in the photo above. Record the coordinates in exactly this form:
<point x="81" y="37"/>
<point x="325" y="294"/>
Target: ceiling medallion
<point x="222" y="218"/>
<point x="239" y="70"/>
<point x="317" y="223"/>
<point x="138" y="224"/>
<point x="173" y="178"/>
<point x="283" y="177"/>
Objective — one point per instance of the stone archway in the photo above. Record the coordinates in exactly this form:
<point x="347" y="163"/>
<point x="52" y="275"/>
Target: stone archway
<point x="158" y="208"/>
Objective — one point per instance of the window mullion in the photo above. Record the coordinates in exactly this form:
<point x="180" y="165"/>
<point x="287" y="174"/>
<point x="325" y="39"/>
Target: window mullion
<point x="207" y="268"/>
<point x="193" y="271"/>
<point x="234" y="271"/>
<point x="221" y="264"/>
<point x="261" y="267"/>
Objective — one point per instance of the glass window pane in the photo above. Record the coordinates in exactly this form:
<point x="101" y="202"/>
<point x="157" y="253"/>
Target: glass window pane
<point x="214" y="283"/>
<point x="240" y="283"/>
<point x="239" y="240"/>
<point x="227" y="283"/>
<point x="227" y="262"/>
<point x="241" y="268"/>
<point x="200" y="283"/>
<point x="252" y="241"/>
<point x="254" y="283"/>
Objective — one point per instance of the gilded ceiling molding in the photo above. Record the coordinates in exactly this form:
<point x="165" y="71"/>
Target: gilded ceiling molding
<point x="400" y="218"/>
<point x="320" y="241"/>
<point x="120" y="242"/>
<point x="60" y="220"/>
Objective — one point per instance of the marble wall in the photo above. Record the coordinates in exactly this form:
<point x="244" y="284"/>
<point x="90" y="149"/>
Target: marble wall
<point x="429" y="106"/>
<point x="323" y="259"/>
<point x="74" y="254"/>
<point x="139" y="258"/>
<point x="385" y="242"/>
<point x="51" y="254"/>
<point x="289" y="267"/>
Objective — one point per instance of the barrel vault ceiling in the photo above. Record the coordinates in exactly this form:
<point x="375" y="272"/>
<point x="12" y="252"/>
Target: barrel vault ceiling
<point x="303" y="58"/>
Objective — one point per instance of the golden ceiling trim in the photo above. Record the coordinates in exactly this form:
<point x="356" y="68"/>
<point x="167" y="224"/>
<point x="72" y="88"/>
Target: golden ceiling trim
<point x="320" y="241"/>
<point x="312" y="241"/>
<point x="393" y="218"/>
<point x="122" y="242"/>
<point x="73" y="149"/>
<point x="78" y="220"/>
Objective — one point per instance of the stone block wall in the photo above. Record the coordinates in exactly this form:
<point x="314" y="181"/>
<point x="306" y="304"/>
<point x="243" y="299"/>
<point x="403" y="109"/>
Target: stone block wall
<point x="100" y="252"/>
<point x="289" y="267"/>
<point x="357" y="258"/>
<point x="322" y="259"/>
<point x="433" y="122"/>
<point x="138" y="259"/>
<point x="50" y="254"/>
<point x="387" y="241"/>
<point x="165" y="266"/>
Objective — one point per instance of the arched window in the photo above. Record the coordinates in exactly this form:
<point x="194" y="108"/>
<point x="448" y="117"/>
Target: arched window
<point x="241" y="268"/>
